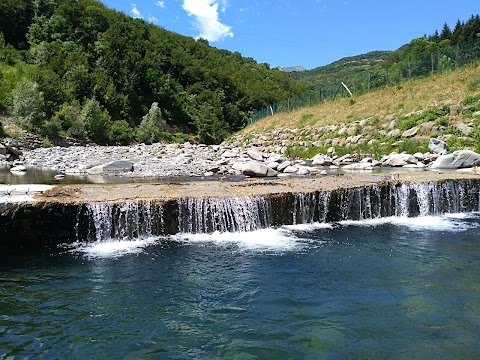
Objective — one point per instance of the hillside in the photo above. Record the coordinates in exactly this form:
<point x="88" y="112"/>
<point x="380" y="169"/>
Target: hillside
<point x="442" y="50"/>
<point x="76" y="68"/>
<point x="341" y="70"/>
<point x="395" y="118"/>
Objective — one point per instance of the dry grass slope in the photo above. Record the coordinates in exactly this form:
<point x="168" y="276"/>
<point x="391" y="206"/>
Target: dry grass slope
<point x="396" y="100"/>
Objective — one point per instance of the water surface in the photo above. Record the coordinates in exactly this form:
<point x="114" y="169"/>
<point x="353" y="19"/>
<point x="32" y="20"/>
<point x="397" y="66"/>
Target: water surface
<point x="395" y="288"/>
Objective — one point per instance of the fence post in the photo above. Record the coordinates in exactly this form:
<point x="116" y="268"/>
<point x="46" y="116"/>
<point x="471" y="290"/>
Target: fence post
<point x="457" y="55"/>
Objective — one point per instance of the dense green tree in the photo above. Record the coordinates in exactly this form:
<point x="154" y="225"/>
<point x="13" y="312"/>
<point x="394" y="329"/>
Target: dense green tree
<point x="152" y="126"/>
<point x="97" y="121"/>
<point x="446" y="33"/>
<point x="29" y="104"/>
<point x="121" y="133"/>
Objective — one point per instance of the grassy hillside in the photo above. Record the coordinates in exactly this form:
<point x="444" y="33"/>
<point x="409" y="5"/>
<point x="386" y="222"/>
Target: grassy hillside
<point x="341" y="70"/>
<point x="438" y="105"/>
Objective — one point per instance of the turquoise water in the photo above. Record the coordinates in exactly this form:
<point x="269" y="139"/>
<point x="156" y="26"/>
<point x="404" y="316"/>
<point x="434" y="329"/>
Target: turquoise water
<point x="395" y="288"/>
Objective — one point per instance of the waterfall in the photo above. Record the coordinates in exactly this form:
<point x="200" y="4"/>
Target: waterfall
<point x="124" y="221"/>
<point x="240" y="214"/>
<point x="223" y="214"/>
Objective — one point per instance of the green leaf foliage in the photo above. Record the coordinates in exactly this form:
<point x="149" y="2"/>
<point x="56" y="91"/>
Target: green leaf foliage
<point x="152" y="126"/>
<point x="97" y="121"/>
<point x="83" y="50"/>
<point x="28" y="104"/>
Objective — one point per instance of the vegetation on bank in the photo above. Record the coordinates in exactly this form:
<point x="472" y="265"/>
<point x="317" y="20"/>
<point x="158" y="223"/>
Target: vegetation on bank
<point x="445" y="106"/>
<point x="76" y="68"/>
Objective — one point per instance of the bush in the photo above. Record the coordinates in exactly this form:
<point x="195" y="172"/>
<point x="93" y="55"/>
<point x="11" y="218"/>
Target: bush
<point x="68" y="116"/>
<point x="97" y="121"/>
<point x="28" y="104"/>
<point x="121" y="133"/>
<point x="52" y="127"/>
<point x="152" y="126"/>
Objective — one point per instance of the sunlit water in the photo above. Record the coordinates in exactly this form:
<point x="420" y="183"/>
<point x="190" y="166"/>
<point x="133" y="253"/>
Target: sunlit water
<point x="394" y="288"/>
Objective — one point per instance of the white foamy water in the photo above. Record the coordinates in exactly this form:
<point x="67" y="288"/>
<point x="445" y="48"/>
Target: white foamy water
<point x="276" y="240"/>
<point x="449" y="222"/>
<point x="113" y="248"/>
<point x="280" y="239"/>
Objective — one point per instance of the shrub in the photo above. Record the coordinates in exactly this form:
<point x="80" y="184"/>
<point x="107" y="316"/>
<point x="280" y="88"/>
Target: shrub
<point x="121" y="133"/>
<point x="28" y="104"/>
<point x="97" y="121"/>
<point x="152" y="126"/>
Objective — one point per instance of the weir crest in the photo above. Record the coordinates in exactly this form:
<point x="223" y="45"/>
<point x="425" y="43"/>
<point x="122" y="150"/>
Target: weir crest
<point x="243" y="214"/>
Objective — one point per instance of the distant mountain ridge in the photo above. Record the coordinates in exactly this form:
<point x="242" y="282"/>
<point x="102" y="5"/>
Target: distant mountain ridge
<point x="288" y="69"/>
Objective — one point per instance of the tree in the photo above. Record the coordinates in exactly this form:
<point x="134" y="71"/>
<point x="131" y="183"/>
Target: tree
<point x="152" y="126"/>
<point x="97" y="121"/>
<point x="121" y="133"/>
<point x="28" y="104"/>
<point x="446" y="33"/>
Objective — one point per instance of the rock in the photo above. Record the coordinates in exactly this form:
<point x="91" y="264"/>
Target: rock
<point x="255" y="154"/>
<point x="427" y="127"/>
<point x="290" y="170"/>
<point x="465" y="129"/>
<point x="3" y="150"/>
<point x="255" y="169"/>
<point x="230" y="154"/>
<point x="303" y="171"/>
<point x="411" y="132"/>
<point x="113" y="167"/>
<point x="273" y="165"/>
<point x="419" y="156"/>
<point x="394" y="133"/>
<point x="18" y="168"/>
<point x="457" y="160"/>
<point x="321" y="160"/>
<point x="455" y="109"/>
<point x="437" y="146"/>
<point x="284" y="165"/>
<point x="397" y="160"/>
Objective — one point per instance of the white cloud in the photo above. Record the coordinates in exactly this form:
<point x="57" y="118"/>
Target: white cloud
<point x="135" y="12"/>
<point x="207" y="19"/>
<point x="152" y="19"/>
<point x="160" y="3"/>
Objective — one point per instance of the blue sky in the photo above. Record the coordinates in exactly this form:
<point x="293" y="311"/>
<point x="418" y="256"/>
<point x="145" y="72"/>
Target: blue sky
<point x="310" y="33"/>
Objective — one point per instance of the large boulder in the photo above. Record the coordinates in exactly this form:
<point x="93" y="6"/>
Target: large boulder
<point x="437" y="146"/>
<point x="321" y="160"/>
<point x="255" y="169"/>
<point x="398" y="160"/>
<point x="254" y="154"/>
<point x="111" y="168"/>
<point x="457" y="160"/>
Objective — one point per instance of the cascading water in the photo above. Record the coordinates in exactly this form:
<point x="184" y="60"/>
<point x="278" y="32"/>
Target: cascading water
<point x="206" y="215"/>
<point x="223" y="214"/>
<point x="124" y="221"/>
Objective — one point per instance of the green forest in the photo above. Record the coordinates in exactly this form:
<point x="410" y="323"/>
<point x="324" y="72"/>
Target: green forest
<point x="445" y="49"/>
<point x="76" y="68"/>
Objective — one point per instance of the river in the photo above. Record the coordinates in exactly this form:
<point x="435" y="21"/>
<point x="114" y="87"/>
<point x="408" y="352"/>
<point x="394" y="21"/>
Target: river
<point x="396" y="287"/>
